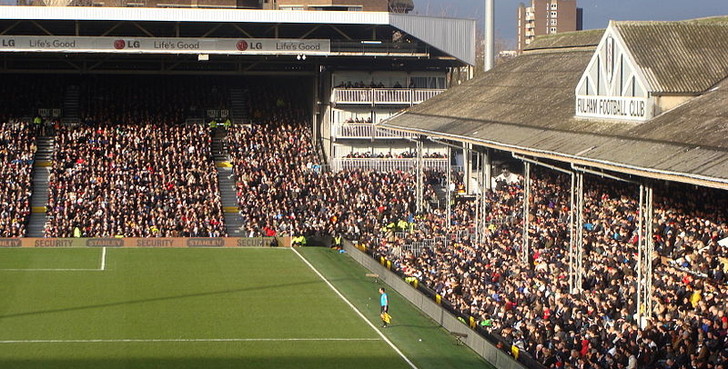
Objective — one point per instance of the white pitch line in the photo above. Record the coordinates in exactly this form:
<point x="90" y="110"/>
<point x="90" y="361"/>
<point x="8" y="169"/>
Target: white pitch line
<point x="50" y="270"/>
<point x="175" y="340"/>
<point x="103" y="259"/>
<point x="411" y="364"/>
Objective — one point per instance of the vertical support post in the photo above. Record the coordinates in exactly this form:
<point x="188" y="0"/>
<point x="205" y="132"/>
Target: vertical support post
<point x="489" y="35"/>
<point x="526" y="211"/>
<point x="576" y="233"/>
<point x="579" y="228"/>
<point x="449" y="187"/>
<point x="645" y="248"/>
<point x="484" y="190"/>
<point x="478" y="194"/>
<point x="315" y="113"/>
<point x="572" y="236"/>
<point x="488" y="169"/>
<point x="640" y="250"/>
<point x="467" y="166"/>
<point x="650" y="249"/>
<point x="419" y="175"/>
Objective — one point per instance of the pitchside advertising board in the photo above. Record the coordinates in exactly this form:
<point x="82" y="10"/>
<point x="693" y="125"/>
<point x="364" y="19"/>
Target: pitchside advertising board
<point x="147" y="242"/>
<point x="153" y="45"/>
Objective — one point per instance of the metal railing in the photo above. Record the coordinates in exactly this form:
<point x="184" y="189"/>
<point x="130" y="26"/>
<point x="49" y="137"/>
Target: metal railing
<point x="366" y="131"/>
<point x="387" y="164"/>
<point x="391" y="96"/>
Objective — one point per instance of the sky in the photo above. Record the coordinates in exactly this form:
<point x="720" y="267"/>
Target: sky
<point x="597" y="13"/>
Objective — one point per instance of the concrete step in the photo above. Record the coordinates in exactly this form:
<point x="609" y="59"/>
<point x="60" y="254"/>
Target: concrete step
<point x="39" y="197"/>
<point x="226" y="181"/>
<point x="233" y="224"/>
<point x="36" y="225"/>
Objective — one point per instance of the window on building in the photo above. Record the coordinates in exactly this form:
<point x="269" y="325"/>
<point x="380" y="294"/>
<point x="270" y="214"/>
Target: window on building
<point x="552" y="21"/>
<point x="554" y="14"/>
<point x="554" y="6"/>
<point x="291" y="7"/>
<point x="552" y="30"/>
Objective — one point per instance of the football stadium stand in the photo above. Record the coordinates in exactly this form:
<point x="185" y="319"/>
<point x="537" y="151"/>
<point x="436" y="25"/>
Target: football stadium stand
<point x="606" y="248"/>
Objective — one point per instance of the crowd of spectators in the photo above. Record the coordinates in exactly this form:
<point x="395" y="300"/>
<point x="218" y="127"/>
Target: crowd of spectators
<point x="17" y="150"/>
<point x="134" y="180"/>
<point x="134" y="168"/>
<point x="529" y="305"/>
<point x="359" y="120"/>
<point x="279" y="190"/>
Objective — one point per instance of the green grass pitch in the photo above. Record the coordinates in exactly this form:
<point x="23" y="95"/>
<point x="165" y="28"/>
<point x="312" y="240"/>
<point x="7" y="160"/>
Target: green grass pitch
<point x="205" y="308"/>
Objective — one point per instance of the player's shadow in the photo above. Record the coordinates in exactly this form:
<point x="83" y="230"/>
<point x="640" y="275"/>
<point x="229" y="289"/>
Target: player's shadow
<point x="166" y="298"/>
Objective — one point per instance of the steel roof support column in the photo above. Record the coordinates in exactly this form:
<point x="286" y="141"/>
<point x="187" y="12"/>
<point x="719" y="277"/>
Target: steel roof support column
<point x="576" y="221"/>
<point x="478" y="194"/>
<point x="572" y="234"/>
<point x="467" y="166"/>
<point x="645" y="245"/>
<point x="488" y="169"/>
<point x="419" y="174"/>
<point x="484" y="189"/>
<point x="645" y="248"/>
<point x="449" y="188"/>
<point x="576" y="232"/>
<point x="526" y="210"/>
<point x="315" y="110"/>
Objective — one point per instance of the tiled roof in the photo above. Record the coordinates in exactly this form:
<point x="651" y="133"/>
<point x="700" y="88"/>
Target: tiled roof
<point x="679" y="57"/>
<point x="566" y="39"/>
<point x="527" y="105"/>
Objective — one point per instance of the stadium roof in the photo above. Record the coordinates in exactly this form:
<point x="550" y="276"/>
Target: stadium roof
<point x="455" y="37"/>
<point x="678" y="57"/>
<point x="526" y="105"/>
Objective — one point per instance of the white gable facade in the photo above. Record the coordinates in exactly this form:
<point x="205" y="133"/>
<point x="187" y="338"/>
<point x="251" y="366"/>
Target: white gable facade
<point x="612" y="86"/>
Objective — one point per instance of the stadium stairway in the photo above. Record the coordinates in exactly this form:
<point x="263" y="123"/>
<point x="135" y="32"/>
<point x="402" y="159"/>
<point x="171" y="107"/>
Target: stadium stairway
<point x="39" y="198"/>
<point x="226" y="180"/>
<point x="238" y="105"/>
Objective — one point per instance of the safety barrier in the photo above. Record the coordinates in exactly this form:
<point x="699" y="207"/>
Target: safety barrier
<point x="387" y="164"/>
<point x="366" y="131"/>
<point x="393" y="96"/>
<point x="147" y="242"/>
<point x="434" y="306"/>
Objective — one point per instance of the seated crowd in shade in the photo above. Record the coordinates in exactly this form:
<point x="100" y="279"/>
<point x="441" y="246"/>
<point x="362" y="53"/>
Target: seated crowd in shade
<point x="17" y="150"/>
